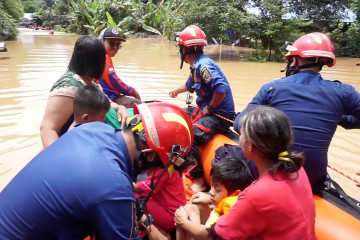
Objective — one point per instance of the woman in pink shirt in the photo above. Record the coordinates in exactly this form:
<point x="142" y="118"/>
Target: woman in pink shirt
<point x="279" y="205"/>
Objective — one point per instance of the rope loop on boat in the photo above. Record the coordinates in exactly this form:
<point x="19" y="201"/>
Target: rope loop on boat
<point x="231" y="121"/>
<point x="344" y="174"/>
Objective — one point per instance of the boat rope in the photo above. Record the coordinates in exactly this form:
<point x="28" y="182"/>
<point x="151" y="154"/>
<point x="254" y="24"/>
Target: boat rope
<point x="222" y="117"/>
<point x="231" y="121"/>
<point x="344" y="174"/>
<point x="181" y="99"/>
<point x="157" y="89"/>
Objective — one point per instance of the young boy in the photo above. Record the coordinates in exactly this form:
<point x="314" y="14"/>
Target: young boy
<point x="228" y="177"/>
<point x="90" y="105"/>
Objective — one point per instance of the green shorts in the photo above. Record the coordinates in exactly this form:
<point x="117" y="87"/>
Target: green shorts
<point x="111" y="117"/>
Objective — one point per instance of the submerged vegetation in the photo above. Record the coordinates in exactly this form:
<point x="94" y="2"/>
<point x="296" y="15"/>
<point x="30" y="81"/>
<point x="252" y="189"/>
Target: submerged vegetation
<point x="261" y="24"/>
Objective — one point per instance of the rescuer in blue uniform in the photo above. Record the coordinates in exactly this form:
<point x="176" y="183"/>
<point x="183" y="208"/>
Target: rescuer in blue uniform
<point x="215" y="105"/>
<point x="81" y="184"/>
<point x="315" y="106"/>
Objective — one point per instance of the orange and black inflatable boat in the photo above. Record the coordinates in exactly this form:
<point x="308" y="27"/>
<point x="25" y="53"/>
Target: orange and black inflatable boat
<point x="332" y="222"/>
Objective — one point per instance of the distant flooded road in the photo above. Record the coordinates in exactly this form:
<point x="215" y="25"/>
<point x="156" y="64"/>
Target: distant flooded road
<point x="37" y="59"/>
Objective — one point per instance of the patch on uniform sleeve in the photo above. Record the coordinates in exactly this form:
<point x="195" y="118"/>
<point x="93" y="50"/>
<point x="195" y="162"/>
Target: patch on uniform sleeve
<point x="205" y="74"/>
<point x="196" y="79"/>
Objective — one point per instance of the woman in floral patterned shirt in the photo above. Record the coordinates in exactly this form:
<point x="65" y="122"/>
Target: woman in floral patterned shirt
<point x="86" y="65"/>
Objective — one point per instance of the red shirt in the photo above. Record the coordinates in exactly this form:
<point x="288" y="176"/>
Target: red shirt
<point x="273" y="207"/>
<point x="168" y="196"/>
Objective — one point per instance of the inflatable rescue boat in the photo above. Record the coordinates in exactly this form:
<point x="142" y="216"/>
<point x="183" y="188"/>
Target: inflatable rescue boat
<point x="335" y="218"/>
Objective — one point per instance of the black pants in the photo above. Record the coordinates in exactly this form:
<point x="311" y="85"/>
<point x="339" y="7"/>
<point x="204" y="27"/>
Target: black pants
<point x="215" y="125"/>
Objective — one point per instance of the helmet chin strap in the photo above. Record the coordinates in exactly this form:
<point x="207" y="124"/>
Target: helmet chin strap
<point x="290" y="70"/>
<point x="188" y="50"/>
<point x="182" y="56"/>
<point x="138" y="156"/>
<point x="142" y="200"/>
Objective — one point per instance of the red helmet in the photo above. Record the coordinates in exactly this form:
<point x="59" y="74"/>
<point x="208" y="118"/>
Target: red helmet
<point x="192" y="36"/>
<point x="167" y="128"/>
<point x="312" y="45"/>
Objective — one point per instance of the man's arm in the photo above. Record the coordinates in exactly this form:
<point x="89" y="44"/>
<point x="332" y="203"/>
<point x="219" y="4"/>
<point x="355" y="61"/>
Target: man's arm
<point x="175" y="92"/>
<point x="57" y="112"/>
<point x="115" y="219"/>
<point x="217" y="99"/>
<point x="112" y="79"/>
<point x="122" y="113"/>
<point x="349" y="122"/>
<point x="153" y="232"/>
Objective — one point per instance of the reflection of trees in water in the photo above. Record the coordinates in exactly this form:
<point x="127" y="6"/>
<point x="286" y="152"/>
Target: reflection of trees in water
<point x="227" y="53"/>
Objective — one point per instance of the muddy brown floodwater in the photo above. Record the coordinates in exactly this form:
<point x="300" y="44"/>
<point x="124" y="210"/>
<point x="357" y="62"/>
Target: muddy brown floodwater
<point x="37" y="59"/>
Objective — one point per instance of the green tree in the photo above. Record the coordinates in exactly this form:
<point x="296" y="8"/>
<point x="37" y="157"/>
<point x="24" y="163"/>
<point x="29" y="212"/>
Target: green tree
<point x="49" y="3"/>
<point x="8" y="25"/>
<point x="63" y="7"/>
<point x="346" y="36"/>
<point x="355" y="7"/>
<point x="324" y="10"/>
<point x="90" y="15"/>
<point x="30" y="6"/>
<point x="275" y="25"/>
<point x="353" y="41"/>
<point x="139" y="16"/>
<point x="14" y="8"/>
<point x="214" y="17"/>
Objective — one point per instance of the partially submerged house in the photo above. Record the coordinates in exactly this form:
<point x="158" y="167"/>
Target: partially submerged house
<point x="3" y="47"/>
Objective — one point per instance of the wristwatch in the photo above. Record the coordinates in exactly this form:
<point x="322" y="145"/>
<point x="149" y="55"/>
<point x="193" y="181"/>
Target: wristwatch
<point x="148" y="221"/>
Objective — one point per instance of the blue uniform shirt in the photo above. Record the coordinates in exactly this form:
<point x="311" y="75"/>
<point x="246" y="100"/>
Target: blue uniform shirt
<point x="206" y="78"/>
<point x="315" y="108"/>
<point x="79" y="185"/>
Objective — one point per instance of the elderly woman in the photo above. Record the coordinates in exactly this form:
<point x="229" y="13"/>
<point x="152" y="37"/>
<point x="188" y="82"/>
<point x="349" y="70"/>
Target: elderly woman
<point x="86" y="65"/>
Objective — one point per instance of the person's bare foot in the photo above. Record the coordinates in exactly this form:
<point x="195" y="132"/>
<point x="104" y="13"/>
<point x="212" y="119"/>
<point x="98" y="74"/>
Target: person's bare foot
<point x="198" y="185"/>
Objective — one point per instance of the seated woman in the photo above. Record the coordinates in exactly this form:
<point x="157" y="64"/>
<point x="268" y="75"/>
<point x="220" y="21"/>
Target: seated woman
<point x="280" y="202"/>
<point x="87" y="64"/>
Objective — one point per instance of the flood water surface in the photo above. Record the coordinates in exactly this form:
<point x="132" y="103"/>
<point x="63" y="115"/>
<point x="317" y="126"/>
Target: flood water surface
<point x="37" y="59"/>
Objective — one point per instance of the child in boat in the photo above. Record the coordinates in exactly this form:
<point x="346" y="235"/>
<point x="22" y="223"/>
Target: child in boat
<point x="168" y="194"/>
<point x="228" y="177"/>
<point x="280" y="202"/>
<point x="90" y="105"/>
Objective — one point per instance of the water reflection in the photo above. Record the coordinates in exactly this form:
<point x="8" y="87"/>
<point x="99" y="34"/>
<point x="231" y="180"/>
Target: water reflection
<point x="228" y="53"/>
<point x="37" y="59"/>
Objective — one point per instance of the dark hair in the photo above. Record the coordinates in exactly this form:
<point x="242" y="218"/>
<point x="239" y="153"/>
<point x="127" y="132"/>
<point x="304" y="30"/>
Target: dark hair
<point x="192" y="49"/>
<point x="88" y="57"/>
<point x="91" y="100"/>
<point x="269" y="130"/>
<point x="233" y="173"/>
